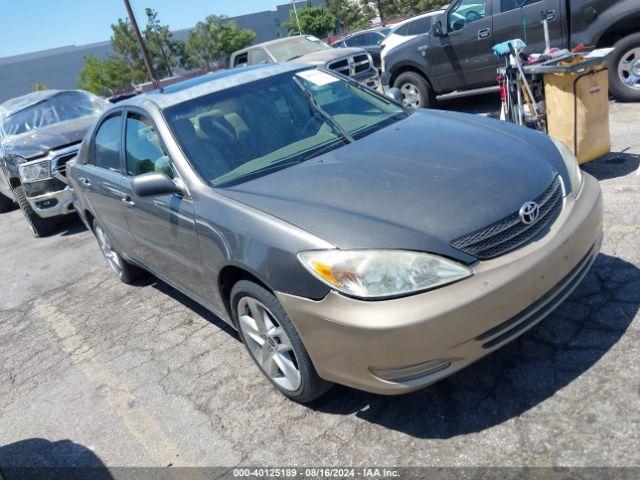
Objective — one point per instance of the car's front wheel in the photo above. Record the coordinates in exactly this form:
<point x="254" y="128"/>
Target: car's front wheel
<point x="274" y="344"/>
<point x="126" y="272"/>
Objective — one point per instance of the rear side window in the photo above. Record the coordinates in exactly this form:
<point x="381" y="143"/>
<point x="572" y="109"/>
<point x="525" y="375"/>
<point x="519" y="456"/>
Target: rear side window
<point x="259" y="56"/>
<point x="420" y="26"/>
<point x="143" y="150"/>
<point x="403" y="30"/>
<point x="106" y="144"/>
<point x="241" y="59"/>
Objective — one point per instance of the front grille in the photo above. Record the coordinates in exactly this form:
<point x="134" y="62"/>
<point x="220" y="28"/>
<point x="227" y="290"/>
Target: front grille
<point x="510" y="233"/>
<point x="59" y="164"/>
<point x="351" y="65"/>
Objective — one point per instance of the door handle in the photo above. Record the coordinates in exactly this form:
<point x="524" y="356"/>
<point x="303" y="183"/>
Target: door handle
<point x="484" y="33"/>
<point x="85" y="181"/>
<point x="549" y="14"/>
<point x="128" y="202"/>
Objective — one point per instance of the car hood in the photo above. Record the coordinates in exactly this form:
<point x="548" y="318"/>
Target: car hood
<point x="323" y="56"/>
<point x="37" y="143"/>
<point x="417" y="184"/>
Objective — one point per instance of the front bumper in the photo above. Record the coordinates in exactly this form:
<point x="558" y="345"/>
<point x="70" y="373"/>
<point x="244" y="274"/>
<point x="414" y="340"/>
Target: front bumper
<point x="444" y="330"/>
<point x="53" y="204"/>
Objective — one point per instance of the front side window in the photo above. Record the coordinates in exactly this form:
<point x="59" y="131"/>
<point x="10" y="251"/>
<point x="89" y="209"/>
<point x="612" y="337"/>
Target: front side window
<point x="143" y="150"/>
<point x="61" y="107"/>
<point x="508" y="5"/>
<point x="420" y="26"/>
<point x="106" y="144"/>
<point x="296" y="47"/>
<point x="466" y="12"/>
<point x="252" y="130"/>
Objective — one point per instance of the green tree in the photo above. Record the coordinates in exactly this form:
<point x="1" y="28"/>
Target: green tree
<point x="214" y="40"/>
<point x="349" y="14"/>
<point x="233" y="38"/>
<point x="164" y="51"/>
<point x="39" y="86"/>
<point x="317" y="21"/>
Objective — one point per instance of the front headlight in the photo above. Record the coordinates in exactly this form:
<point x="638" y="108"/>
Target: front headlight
<point x="33" y="171"/>
<point x="381" y="273"/>
<point x="573" y="168"/>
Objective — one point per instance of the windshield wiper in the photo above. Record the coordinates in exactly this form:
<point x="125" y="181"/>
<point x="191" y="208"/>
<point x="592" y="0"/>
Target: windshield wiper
<point x="316" y="106"/>
<point x="294" y="57"/>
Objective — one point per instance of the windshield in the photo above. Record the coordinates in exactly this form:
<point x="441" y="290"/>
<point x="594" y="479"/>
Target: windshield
<point x="61" y="107"/>
<point x="296" y="47"/>
<point x="251" y="130"/>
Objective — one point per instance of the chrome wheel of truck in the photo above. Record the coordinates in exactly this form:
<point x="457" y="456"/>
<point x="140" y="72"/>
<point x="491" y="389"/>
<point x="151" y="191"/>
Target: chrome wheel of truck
<point x="629" y="68"/>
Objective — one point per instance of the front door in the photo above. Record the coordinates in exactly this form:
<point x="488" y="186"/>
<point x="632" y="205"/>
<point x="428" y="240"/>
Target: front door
<point x="462" y="55"/>
<point x="523" y="19"/>
<point x="163" y="227"/>
<point x="103" y="182"/>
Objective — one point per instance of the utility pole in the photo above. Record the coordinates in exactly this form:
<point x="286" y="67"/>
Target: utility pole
<point x="143" y="48"/>
<point x="295" y="11"/>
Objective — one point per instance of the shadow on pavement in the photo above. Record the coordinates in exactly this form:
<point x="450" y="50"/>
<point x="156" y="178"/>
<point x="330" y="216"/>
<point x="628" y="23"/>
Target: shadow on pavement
<point x="70" y="225"/>
<point x="613" y="165"/>
<point x="517" y="377"/>
<point x="187" y="302"/>
<point x="40" y="459"/>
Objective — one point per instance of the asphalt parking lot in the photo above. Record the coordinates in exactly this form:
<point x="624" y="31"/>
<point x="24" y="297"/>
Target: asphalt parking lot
<point x="92" y="370"/>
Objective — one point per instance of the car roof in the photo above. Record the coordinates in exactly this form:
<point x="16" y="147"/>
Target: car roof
<point x="274" y="42"/>
<point x="210" y="83"/>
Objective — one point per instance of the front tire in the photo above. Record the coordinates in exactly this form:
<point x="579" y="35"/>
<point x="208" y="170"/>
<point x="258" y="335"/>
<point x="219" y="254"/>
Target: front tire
<point x="40" y="227"/>
<point x="416" y="90"/>
<point x="274" y="344"/>
<point x="624" y="69"/>
<point x="125" y="271"/>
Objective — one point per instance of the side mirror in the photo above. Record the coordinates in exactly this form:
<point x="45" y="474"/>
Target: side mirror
<point x="437" y="29"/>
<point x="154" y="185"/>
<point x="396" y="94"/>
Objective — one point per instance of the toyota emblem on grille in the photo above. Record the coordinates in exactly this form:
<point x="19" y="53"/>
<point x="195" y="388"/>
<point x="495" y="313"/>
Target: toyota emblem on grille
<point x="529" y="213"/>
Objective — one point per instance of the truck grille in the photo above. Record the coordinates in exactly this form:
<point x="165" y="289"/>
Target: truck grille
<point x="351" y="65"/>
<point x="510" y="233"/>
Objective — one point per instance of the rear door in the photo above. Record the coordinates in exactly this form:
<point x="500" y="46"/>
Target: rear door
<point x="523" y="19"/>
<point x="163" y="227"/>
<point x="102" y="180"/>
<point x="462" y="56"/>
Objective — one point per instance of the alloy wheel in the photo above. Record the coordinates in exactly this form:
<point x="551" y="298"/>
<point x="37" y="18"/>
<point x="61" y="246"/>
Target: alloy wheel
<point x="629" y="68"/>
<point x="411" y="95"/>
<point x="113" y="259"/>
<point x="268" y="343"/>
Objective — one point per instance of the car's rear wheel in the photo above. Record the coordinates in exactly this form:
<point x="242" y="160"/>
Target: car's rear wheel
<point x="6" y="204"/>
<point x="624" y="69"/>
<point x="273" y="343"/>
<point x="126" y="272"/>
<point x="416" y="90"/>
<point x="40" y="227"/>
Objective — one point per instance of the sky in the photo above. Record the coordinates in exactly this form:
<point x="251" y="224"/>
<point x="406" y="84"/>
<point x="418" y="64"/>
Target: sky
<point x="32" y="25"/>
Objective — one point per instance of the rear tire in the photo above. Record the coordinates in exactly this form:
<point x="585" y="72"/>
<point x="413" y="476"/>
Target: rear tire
<point x="416" y="89"/>
<point x="125" y="271"/>
<point x="6" y="204"/>
<point x="274" y="344"/>
<point x="40" y="227"/>
<point x="624" y="69"/>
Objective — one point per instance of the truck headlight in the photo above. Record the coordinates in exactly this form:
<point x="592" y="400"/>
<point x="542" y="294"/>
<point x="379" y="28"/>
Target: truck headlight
<point x="573" y="168"/>
<point x="381" y="273"/>
<point x="33" y="171"/>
